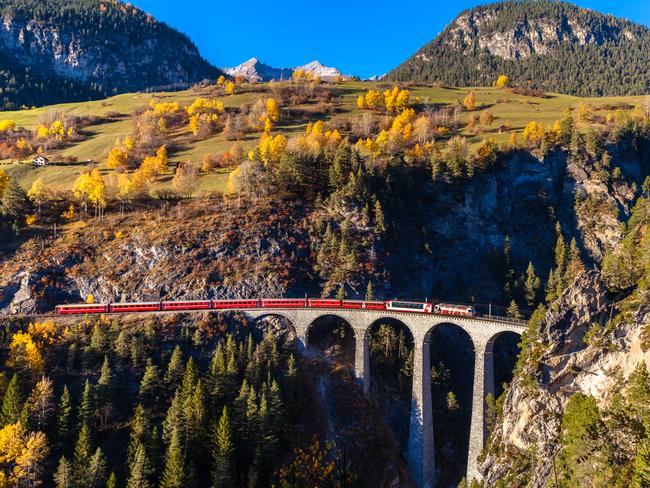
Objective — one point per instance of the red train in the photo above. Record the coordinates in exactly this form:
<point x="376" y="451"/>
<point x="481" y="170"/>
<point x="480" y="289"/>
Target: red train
<point x="325" y="303"/>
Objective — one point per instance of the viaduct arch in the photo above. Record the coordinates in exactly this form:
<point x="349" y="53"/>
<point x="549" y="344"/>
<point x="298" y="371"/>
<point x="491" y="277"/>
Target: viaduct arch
<point x="483" y="334"/>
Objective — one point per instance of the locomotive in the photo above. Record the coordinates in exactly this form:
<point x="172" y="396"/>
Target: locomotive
<point x="323" y="303"/>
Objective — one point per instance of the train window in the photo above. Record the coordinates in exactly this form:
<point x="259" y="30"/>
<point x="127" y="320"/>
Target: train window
<point x="410" y="305"/>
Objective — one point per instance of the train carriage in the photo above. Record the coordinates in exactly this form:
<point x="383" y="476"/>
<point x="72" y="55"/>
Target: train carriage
<point x="229" y="304"/>
<point x="323" y="303"/>
<point x="134" y="307"/>
<point x="187" y="305"/>
<point x="399" y="306"/>
<point x="284" y="303"/>
<point x="81" y="308"/>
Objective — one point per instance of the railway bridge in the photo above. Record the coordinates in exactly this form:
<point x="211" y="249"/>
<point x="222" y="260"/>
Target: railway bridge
<point x="483" y="333"/>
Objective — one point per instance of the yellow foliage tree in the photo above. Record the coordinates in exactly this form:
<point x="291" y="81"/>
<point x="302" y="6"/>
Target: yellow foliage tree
<point x="70" y="213"/>
<point x="396" y="100"/>
<point x="24" y="354"/>
<point x="6" y="125"/>
<point x="24" y="454"/>
<point x="221" y="80"/>
<point x="204" y="105"/>
<point x="534" y="132"/>
<point x="230" y="88"/>
<point x="272" y="112"/>
<point x="469" y="102"/>
<point x="90" y="187"/>
<point x="4" y="182"/>
<point x="42" y="132"/>
<point x="272" y="148"/>
<point x="117" y="158"/>
<point x="38" y="193"/>
<point x="502" y="82"/>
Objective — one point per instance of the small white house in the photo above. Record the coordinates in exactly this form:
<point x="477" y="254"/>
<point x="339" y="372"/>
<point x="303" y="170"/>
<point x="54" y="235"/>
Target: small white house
<point x="40" y="161"/>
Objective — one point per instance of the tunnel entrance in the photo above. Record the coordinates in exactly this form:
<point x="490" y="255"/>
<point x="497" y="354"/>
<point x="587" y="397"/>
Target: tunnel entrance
<point x="452" y="383"/>
<point x="333" y="336"/>
<point x="505" y="349"/>
<point x="391" y="372"/>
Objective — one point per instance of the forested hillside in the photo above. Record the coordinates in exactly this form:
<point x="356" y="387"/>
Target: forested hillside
<point x="554" y="46"/>
<point x="176" y="401"/>
<point x="87" y="49"/>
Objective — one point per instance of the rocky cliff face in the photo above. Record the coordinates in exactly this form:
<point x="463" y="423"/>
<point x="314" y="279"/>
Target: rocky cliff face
<point x="467" y="229"/>
<point x="564" y="363"/>
<point x="482" y="29"/>
<point x="108" y="47"/>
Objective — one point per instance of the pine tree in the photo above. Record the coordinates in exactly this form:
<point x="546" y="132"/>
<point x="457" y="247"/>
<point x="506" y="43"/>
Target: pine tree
<point x="174" y="371"/>
<point x="150" y="385"/>
<point x="641" y="474"/>
<point x="532" y="285"/>
<point x="380" y="225"/>
<point x="64" y="417"/>
<point x="122" y="349"/>
<point x="105" y="390"/>
<point x="87" y="406"/>
<point x="63" y="476"/>
<point x="560" y="252"/>
<point x="194" y="418"/>
<point x="370" y="292"/>
<point x="513" y="310"/>
<point x="97" y="470"/>
<point x="139" y="431"/>
<point x="82" y="455"/>
<point x="173" y="419"/>
<point x="174" y="473"/>
<point x="223" y="474"/>
<point x="112" y="481"/>
<point x="12" y="403"/>
<point x="139" y="470"/>
<point x="575" y="265"/>
<point x="190" y="376"/>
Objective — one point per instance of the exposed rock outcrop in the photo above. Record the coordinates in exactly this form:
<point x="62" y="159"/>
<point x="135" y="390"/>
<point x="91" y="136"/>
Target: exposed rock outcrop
<point x="107" y="47"/>
<point x="565" y="365"/>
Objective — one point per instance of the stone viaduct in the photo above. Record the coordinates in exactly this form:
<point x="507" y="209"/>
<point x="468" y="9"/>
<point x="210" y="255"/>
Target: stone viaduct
<point x="483" y="333"/>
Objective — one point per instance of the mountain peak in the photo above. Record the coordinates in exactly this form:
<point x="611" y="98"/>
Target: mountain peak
<point x="256" y="71"/>
<point x="556" y="45"/>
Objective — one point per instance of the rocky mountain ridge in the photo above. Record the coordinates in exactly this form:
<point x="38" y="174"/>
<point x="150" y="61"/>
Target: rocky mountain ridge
<point x="89" y="49"/>
<point x="556" y="46"/>
<point x="254" y="71"/>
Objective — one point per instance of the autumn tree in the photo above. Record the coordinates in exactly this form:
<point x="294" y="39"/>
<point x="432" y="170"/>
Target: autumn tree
<point x="469" y="102"/>
<point x="502" y="82"/>
<point x="38" y="193"/>
<point x="185" y="180"/>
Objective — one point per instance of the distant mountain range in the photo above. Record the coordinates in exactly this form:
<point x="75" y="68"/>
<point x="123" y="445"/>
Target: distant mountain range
<point x="53" y="51"/>
<point x="551" y="45"/>
<point x="254" y="70"/>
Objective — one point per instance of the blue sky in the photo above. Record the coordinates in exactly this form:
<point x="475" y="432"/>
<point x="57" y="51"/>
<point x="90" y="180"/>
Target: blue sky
<point x="360" y="37"/>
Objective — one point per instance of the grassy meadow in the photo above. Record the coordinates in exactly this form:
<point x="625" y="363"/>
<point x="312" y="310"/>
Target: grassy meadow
<point x="112" y="120"/>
